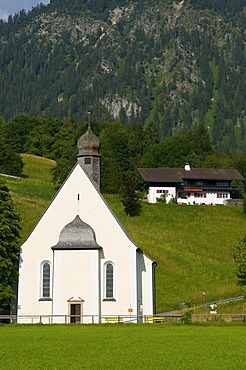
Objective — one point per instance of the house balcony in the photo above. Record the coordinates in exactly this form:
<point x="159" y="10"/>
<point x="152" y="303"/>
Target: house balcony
<point x="203" y="188"/>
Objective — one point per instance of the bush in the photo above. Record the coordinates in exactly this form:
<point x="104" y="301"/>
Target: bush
<point x="187" y="317"/>
<point x="162" y="199"/>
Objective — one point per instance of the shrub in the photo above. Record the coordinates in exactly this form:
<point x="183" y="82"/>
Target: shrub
<point x="187" y="317"/>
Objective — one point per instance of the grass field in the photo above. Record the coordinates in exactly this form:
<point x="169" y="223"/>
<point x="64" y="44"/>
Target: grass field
<point x="191" y="244"/>
<point x="147" y="346"/>
<point x="33" y="193"/>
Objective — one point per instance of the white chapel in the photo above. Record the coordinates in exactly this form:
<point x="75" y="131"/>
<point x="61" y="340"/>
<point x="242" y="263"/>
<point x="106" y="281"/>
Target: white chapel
<point x="78" y="264"/>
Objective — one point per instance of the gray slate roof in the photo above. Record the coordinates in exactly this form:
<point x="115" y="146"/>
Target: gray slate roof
<point x="168" y="174"/>
<point x="77" y="235"/>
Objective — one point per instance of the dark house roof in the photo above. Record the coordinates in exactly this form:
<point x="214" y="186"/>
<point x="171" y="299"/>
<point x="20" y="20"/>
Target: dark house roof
<point x="178" y="175"/>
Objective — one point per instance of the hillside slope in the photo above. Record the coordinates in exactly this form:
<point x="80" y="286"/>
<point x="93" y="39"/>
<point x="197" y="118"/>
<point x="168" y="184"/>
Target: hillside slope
<point x="172" y="62"/>
<point x="32" y="193"/>
<point x="191" y="244"/>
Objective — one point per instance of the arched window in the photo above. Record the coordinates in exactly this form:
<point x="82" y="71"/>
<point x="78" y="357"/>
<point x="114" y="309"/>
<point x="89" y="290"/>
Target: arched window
<point x="109" y="280"/>
<point x="45" y="279"/>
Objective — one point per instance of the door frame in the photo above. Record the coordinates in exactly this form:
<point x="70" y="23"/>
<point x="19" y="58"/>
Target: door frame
<point x="71" y="301"/>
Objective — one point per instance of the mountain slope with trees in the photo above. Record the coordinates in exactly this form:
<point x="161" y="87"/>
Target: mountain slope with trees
<point x="174" y="63"/>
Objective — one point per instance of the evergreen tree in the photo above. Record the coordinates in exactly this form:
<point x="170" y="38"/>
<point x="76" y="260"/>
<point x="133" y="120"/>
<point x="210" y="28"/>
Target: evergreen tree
<point x="130" y="197"/>
<point x="64" y="150"/>
<point x="152" y="134"/>
<point x="200" y="138"/>
<point x="10" y="162"/>
<point x="9" y="248"/>
<point x="115" y="155"/>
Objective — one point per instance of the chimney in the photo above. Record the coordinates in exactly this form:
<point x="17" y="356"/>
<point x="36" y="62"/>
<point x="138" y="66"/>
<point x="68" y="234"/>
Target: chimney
<point x="187" y="167"/>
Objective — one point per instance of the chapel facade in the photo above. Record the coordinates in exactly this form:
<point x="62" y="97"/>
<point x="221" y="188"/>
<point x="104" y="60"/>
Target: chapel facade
<point x="78" y="264"/>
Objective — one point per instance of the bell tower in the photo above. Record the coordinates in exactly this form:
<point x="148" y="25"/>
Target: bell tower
<point x="89" y="157"/>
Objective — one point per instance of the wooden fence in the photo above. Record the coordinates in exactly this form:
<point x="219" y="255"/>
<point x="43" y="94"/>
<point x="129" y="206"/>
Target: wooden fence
<point x="121" y="319"/>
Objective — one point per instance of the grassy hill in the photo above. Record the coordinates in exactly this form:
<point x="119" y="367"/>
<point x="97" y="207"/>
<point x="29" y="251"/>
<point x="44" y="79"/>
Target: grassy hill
<point x="33" y="193"/>
<point x="191" y="244"/>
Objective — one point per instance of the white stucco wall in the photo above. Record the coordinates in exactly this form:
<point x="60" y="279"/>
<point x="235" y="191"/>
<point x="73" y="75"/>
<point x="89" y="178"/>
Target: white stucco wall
<point x="76" y="278"/>
<point x="147" y="285"/>
<point x="153" y="193"/>
<point x="211" y="197"/>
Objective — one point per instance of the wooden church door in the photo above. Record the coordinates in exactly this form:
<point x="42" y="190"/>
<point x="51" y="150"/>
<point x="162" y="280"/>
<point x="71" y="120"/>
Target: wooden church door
<point x="75" y="312"/>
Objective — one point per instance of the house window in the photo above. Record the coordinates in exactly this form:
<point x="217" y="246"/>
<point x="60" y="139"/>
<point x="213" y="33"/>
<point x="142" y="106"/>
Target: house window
<point x="199" y="183"/>
<point x="222" y="195"/>
<point x="222" y="183"/>
<point x="45" y="279"/>
<point x="109" y="291"/>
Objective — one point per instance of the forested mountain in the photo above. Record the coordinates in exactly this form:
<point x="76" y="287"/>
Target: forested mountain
<point x="174" y="63"/>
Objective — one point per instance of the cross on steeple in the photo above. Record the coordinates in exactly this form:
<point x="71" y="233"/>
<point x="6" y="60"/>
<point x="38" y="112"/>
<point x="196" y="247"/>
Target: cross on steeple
<point x="89" y="120"/>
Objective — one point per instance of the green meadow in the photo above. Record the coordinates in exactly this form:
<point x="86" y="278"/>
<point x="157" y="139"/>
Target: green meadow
<point x="33" y="193"/>
<point x="117" y="346"/>
<point x="191" y="244"/>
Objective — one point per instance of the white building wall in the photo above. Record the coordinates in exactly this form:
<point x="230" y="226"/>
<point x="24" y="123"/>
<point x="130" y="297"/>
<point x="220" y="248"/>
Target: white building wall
<point x="147" y="287"/>
<point x="171" y="193"/>
<point x="210" y="199"/>
<point x="125" y="294"/>
<point x="30" y="285"/>
<point x="156" y="192"/>
<point x="76" y="278"/>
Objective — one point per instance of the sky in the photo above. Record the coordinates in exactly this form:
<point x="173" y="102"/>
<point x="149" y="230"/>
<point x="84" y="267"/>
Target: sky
<point x="8" y="7"/>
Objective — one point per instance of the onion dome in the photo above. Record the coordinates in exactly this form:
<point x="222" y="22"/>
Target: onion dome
<point x="77" y="235"/>
<point x="88" y="144"/>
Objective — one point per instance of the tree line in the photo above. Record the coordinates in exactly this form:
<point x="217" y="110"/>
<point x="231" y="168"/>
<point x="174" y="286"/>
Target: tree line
<point x="123" y="149"/>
